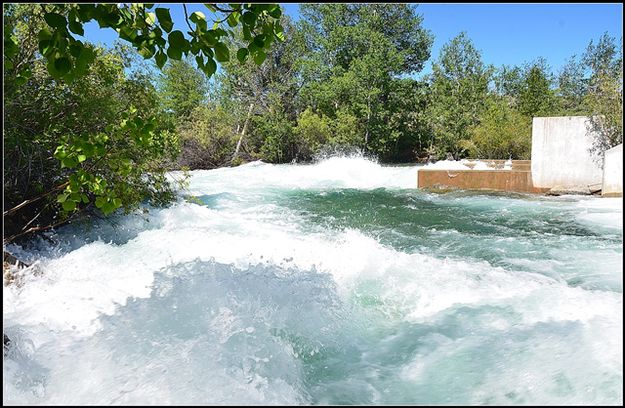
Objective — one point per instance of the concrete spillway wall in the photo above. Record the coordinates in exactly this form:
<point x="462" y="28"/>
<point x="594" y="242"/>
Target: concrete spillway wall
<point x="517" y="179"/>
<point x="560" y="154"/>
<point x="613" y="172"/>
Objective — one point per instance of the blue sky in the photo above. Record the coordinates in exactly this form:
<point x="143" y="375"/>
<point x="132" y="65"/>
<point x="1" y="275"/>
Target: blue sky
<point x="505" y="33"/>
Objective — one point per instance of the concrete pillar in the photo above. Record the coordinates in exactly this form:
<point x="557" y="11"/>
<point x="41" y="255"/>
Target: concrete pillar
<point x="613" y="172"/>
<point x="560" y="154"/>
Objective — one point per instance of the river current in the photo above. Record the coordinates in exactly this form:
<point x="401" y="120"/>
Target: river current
<point x="332" y="283"/>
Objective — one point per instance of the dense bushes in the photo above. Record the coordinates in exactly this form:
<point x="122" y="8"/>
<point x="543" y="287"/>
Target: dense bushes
<point x="208" y="138"/>
<point x="86" y="130"/>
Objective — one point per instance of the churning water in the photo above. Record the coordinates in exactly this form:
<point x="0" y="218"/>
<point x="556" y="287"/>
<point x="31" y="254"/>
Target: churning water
<point x="332" y="283"/>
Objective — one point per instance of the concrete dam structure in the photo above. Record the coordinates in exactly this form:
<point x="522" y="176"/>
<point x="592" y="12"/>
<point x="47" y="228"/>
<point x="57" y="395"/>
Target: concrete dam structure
<point x="561" y="157"/>
<point x="517" y="178"/>
<point x="561" y="163"/>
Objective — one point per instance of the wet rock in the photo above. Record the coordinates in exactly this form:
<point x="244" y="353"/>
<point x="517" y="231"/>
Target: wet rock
<point x="7" y="343"/>
<point x="12" y="260"/>
<point x="577" y="190"/>
<point x="13" y="269"/>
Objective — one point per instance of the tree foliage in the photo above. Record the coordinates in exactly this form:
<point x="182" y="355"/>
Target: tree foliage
<point x="354" y="56"/>
<point x="459" y="87"/>
<point x="151" y="32"/>
<point x="536" y="96"/>
<point x="605" y="94"/>
<point x="84" y="135"/>
<point x="182" y="88"/>
<point x="502" y="132"/>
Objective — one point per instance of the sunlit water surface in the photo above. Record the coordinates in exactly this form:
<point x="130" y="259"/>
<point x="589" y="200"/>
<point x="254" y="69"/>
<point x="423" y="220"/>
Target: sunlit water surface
<point x="332" y="283"/>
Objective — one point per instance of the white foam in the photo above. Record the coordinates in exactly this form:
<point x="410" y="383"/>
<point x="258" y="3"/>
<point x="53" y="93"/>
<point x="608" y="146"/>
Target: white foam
<point x="447" y="165"/>
<point x="335" y="172"/>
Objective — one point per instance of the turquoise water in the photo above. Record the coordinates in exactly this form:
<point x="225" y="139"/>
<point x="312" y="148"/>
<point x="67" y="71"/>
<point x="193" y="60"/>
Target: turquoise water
<point x="333" y="283"/>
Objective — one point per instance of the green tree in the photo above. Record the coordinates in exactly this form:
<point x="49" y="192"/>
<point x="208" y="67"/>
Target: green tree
<point x="313" y="132"/>
<point x="502" y="132"/>
<point x="572" y="87"/>
<point x="208" y="137"/>
<point x="354" y="53"/>
<point x="250" y="90"/>
<point x="182" y="88"/>
<point x="274" y="137"/>
<point x="537" y="98"/>
<point x="509" y="83"/>
<point x="459" y="87"/>
<point x="605" y="94"/>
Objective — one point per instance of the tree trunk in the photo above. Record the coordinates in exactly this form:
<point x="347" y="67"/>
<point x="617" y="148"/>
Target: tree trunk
<point x="247" y="119"/>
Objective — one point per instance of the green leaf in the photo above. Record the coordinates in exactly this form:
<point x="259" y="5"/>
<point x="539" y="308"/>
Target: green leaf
<point x="249" y="18"/>
<point x="45" y="47"/>
<point x="100" y="201"/>
<point x="128" y="34"/>
<point x="59" y="153"/>
<point x="200" y="61"/>
<point x="197" y="17"/>
<point x="54" y="73"/>
<point x="150" y="18"/>
<point x="259" y="57"/>
<point x="85" y="11"/>
<point x="75" y="49"/>
<point x="164" y="19"/>
<point x="253" y="48"/>
<point x="108" y="207"/>
<point x="242" y="54"/>
<point x="61" y="198"/>
<point x="259" y="40"/>
<point x="76" y="28"/>
<point x="246" y="33"/>
<point x="177" y="40"/>
<point x="68" y="162"/>
<point x="275" y="12"/>
<point x="44" y="34"/>
<point x="195" y="46"/>
<point x="174" y="53"/>
<point x="81" y="158"/>
<point x="222" y="54"/>
<point x="160" y="59"/>
<point x="69" y="206"/>
<point x="63" y="65"/>
<point x="55" y="20"/>
<point x="233" y="19"/>
<point x="210" y="67"/>
<point x="146" y="52"/>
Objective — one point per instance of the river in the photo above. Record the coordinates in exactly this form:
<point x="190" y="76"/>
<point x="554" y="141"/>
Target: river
<point x="332" y="283"/>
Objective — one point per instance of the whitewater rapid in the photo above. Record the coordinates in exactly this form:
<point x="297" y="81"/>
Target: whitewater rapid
<point x="332" y="283"/>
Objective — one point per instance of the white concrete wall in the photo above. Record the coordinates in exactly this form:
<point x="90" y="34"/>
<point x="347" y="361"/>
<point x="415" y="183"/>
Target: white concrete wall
<point x="613" y="171"/>
<point x="560" y="156"/>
